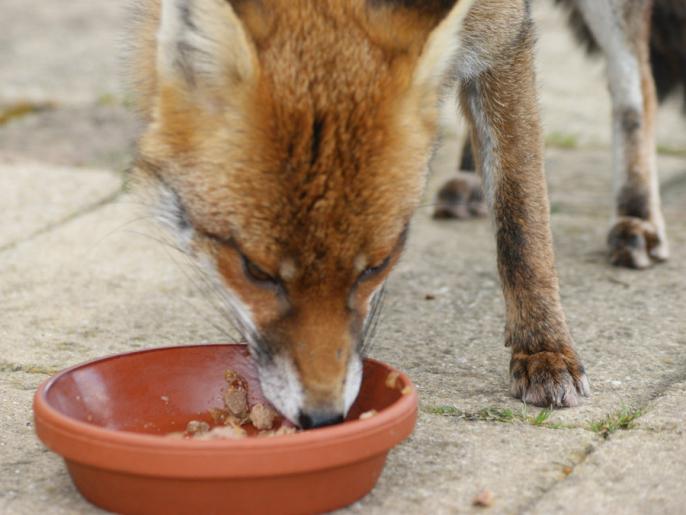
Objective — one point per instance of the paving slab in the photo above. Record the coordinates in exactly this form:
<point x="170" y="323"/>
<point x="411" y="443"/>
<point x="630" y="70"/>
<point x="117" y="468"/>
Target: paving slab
<point x="637" y="472"/>
<point x="63" y="52"/>
<point x="95" y="286"/>
<point x="448" y="462"/>
<point x="667" y="412"/>
<point x="96" y="136"/>
<point x="33" y="480"/>
<point x="35" y="196"/>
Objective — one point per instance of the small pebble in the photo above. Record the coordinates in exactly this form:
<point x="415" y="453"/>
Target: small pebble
<point x="484" y="499"/>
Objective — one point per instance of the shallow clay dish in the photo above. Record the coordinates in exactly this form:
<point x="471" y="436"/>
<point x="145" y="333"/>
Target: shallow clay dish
<point x="106" y="419"/>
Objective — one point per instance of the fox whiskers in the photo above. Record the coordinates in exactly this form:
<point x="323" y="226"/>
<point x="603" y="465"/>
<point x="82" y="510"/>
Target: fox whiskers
<point x="371" y="323"/>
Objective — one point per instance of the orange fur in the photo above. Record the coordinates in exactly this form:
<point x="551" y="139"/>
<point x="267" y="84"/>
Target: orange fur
<point x="313" y="162"/>
<point x="289" y="140"/>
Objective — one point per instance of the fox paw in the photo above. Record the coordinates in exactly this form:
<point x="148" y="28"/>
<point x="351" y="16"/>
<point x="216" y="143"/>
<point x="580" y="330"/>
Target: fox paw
<point x="548" y="379"/>
<point x="460" y="198"/>
<point x="635" y="243"/>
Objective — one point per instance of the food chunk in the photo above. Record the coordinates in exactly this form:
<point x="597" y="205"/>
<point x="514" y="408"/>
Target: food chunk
<point x="368" y="414"/>
<point x="392" y="379"/>
<point x="262" y="417"/>
<point x="236" y="394"/>
<point x="222" y="433"/>
<point x="197" y="426"/>
<point x="235" y="418"/>
<point x="283" y="430"/>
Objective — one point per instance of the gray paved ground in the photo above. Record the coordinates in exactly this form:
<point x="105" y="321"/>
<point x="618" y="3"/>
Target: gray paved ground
<point x="79" y="279"/>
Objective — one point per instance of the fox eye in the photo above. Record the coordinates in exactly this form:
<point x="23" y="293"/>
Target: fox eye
<point x="373" y="271"/>
<point x="255" y="273"/>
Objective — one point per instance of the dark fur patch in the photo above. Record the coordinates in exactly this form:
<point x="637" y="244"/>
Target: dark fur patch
<point x="467" y="163"/>
<point x="433" y="6"/>
<point x="631" y="121"/>
<point x="317" y="128"/>
<point x="187" y="17"/>
<point x="512" y="242"/>
<point x="452" y="193"/>
<point x="630" y="242"/>
<point x="184" y="59"/>
<point x="632" y="202"/>
<point x="668" y="47"/>
<point x="578" y="25"/>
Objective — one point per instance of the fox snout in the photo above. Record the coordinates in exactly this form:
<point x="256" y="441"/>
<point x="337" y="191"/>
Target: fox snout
<point x="309" y="360"/>
<point x="288" y="383"/>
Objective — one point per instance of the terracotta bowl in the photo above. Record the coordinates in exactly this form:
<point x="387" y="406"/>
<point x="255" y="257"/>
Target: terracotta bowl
<point x="107" y="419"/>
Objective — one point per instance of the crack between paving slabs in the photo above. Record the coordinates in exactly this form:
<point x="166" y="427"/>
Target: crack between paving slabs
<point x="600" y="439"/>
<point x="585" y="453"/>
<point x="605" y="439"/>
<point x="64" y="220"/>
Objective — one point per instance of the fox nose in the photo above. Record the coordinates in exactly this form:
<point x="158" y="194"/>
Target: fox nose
<point x="312" y="419"/>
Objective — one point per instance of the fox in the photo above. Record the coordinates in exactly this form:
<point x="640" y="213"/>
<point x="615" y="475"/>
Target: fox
<point x="644" y="45"/>
<point x="286" y="146"/>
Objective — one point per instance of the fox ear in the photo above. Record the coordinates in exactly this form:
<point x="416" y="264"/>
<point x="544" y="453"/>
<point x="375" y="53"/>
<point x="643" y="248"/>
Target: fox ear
<point x="204" y="44"/>
<point x="440" y="50"/>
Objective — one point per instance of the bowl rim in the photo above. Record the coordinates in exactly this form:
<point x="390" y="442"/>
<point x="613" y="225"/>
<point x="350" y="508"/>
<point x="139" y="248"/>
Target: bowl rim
<point x="66" y="435"/>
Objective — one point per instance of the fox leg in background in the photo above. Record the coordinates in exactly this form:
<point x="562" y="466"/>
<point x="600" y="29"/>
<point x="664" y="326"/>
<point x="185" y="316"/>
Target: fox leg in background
<point x="506" y="135"/>
<point x="462" y="196"/>
<point x="622" y="30"/>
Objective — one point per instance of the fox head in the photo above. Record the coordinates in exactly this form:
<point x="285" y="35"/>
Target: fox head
<point x="286" y="147"/>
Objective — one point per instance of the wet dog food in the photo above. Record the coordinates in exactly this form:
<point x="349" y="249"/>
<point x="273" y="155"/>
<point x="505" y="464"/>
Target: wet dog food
<point x="236" y="419"/>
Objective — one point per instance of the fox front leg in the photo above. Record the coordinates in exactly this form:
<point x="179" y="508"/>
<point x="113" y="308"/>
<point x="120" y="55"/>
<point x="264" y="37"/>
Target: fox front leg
<point x="501" y="106"/>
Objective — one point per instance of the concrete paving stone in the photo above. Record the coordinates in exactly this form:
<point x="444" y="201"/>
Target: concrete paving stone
<point x="636" y="472"/>
<point x="448" y="462"/>
<point x="64" y="52"/>
<point x="99" y="136"/>
<point x="33" y="480"/>
<point x="102" y="287"/>
<point x="34" y="196"/>
<point x="667" y="412"/>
